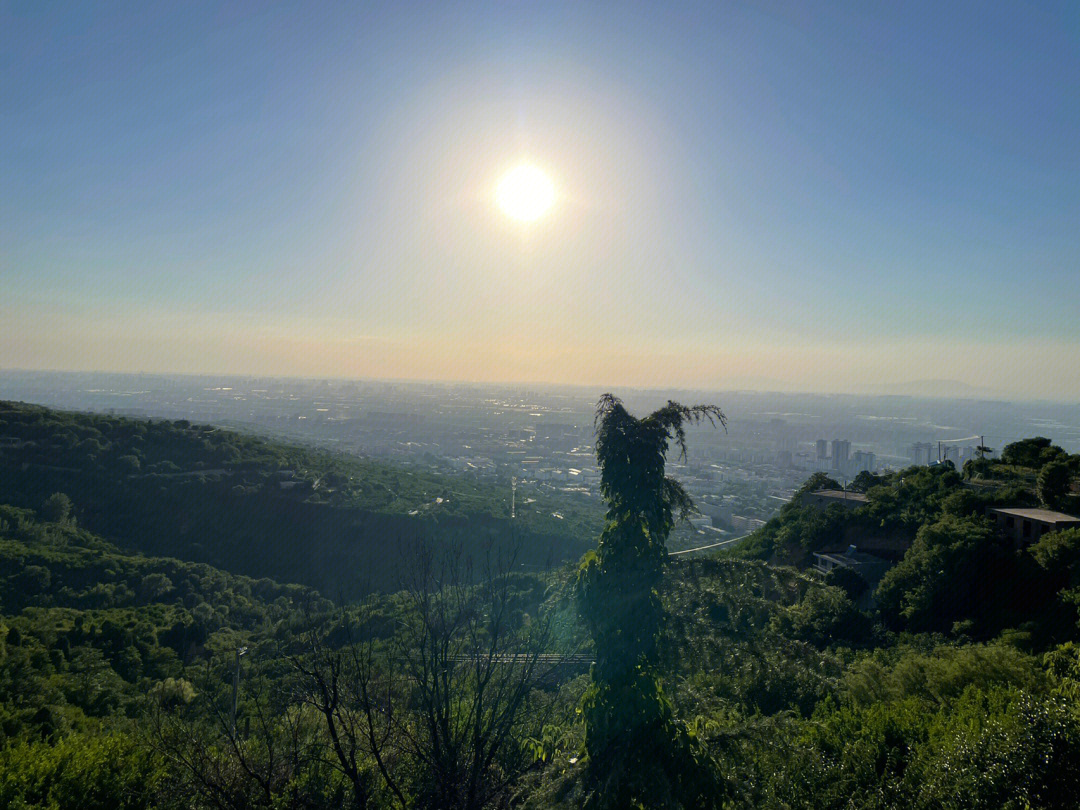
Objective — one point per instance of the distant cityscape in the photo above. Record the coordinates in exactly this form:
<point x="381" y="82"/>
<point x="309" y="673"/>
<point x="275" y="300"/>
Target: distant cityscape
<point x="837" y="457"/>
<point x="536" y="439"/>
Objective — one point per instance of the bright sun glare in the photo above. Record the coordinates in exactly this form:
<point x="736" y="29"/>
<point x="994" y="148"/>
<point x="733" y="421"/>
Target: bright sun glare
<point x="525" y="193"/>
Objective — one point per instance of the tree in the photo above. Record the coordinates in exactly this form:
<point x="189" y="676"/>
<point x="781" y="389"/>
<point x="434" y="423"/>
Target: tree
<point x="1053" y="483"/>
<point x="638" y="753"/>
<point x="864" y="481"/>
<point x="846" y="579"/>
<point x="914" y="498"/>
<point x="56" y="508"/>
<point x="957" y="569"/>
<point x="273" y="759"/>
<point x="819" y="480"/>
<point x="823" y="616"/>
<point x="1032" y="452"/>
<point x="34" y="580"/>
<point x="1058" y="554"/>
<point x="436" y="714"/>
<point x="154" y="586"/>
<point x="92" y="772"/>
<point x="1056" y="582"/>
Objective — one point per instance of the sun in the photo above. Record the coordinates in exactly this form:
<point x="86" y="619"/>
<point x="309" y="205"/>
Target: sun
<point x="525" y="193"/>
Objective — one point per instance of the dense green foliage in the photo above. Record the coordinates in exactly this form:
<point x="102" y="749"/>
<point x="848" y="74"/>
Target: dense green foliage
<point x="953" y="683"/>
<point x="898" y="505"/>
<point x="956" y="570"/>
<point x="90" y="629"/>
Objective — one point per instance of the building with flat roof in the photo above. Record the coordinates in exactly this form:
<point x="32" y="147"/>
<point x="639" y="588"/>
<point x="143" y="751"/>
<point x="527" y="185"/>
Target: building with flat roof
<point x="867" y="566"/>
<point x="823" y="497"/>
<point x="1025" y="526"/>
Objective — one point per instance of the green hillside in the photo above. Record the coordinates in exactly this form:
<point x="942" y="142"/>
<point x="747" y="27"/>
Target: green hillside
<point x="115" y="669"/>
<point x="1029" y="473"/>
<point x="89" y="629"/>
<point x="956" y="686"/>
<point x="262" y="508"/>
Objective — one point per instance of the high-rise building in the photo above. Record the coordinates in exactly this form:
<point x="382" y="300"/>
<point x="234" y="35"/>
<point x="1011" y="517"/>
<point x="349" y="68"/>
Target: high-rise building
<point x="822" y="449"/>
<point x="862" y="461"/>
<point x="841" y="449"/>
<point x="922" y="454"/>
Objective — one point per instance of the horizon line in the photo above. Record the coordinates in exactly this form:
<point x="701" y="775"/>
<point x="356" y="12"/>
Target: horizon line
<point x="733" y="389"/>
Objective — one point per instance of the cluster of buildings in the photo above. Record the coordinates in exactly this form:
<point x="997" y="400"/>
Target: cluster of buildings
<point x="923" y="454"/>
<point x="836" y="457"/>
<point x="476" y="465"/>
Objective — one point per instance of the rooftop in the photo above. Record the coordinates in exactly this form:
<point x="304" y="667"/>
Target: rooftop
<point x="849" y="557"/>
<point x="1043" y="515"/>
<point x="841" y="493"/>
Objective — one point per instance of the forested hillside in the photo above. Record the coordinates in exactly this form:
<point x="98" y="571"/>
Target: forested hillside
<point x="955" y="573"/>
<point x="956" y="685"/>
<point x="116" y="674"/>
<point x="262" y="508"/>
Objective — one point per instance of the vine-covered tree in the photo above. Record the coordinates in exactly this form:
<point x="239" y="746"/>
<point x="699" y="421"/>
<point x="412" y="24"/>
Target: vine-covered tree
<point x="639" y="755"/>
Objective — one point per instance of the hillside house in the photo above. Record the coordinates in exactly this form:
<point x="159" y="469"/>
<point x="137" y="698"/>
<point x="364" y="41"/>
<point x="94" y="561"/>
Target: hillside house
<point x="1025" y="526"/>
<point x="869" y="567"/>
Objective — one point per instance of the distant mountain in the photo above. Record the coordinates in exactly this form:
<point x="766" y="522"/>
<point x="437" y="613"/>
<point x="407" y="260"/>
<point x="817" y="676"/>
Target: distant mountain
<point x="936" y="389"/>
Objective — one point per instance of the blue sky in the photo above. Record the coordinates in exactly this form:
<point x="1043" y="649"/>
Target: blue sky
<point x="804" y="196"/>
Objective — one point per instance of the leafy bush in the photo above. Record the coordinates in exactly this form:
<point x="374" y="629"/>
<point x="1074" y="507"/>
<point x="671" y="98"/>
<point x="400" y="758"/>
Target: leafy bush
<point x="957" y="569"/>
<point x="109" y="772"/>
<point x="824" y="616"/>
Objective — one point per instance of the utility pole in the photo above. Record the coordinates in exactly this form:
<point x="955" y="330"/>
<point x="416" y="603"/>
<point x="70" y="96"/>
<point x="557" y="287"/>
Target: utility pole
<point x="236" y="688"/>
<point x="513" y="496"/>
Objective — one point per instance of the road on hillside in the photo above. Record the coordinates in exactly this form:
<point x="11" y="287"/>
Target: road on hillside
<point x="711" y="545"/>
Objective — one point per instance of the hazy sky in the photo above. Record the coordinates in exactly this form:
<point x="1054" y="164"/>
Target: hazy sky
<point x="818" y="196"/>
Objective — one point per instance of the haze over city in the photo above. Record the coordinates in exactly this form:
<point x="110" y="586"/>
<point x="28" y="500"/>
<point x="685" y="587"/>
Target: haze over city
<point x="843" y="198"/>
